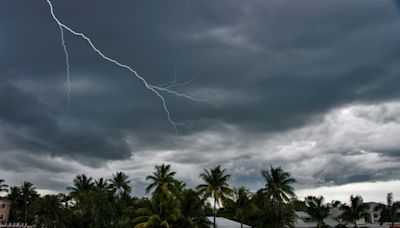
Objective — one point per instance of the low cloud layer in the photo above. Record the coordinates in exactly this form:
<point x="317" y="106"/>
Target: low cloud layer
<point x="311" y="86"/>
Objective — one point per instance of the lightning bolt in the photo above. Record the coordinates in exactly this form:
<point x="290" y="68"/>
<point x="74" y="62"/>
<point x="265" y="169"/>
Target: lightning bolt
<point x="67" y="64"/>
<point x="155" y="89"/>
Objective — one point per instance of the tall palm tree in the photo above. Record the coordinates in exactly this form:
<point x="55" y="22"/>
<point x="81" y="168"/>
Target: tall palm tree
<point x="242" y="204"/>
<point x="160" y="212"/>
<point x="3" y="187"/>
<point x="277" y="195"/>
<point x="389" y="211"/>
<point x="215" y="186"/>
<point x="356" y="210"/>
<point x="64" y="199"/>
<point x="192" y="211"/>
<point x="119" y="184"/>
<point x="179" y="188"/>
<point x="82" y="184"/>
<point x="162" y="179"/>
<point x="278" y="187"/>
<point x="101" y="183"/>
<point x="14" y="195"/>
<point x="99" y="206"/>
<point x="318" y="210"/>
<point x="271" y="214"/>
<point x="28" y="196"/>
<point x="49" y="212"/>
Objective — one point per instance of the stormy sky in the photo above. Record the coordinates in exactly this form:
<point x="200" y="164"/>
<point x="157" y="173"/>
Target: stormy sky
<point x="312" y="86"/>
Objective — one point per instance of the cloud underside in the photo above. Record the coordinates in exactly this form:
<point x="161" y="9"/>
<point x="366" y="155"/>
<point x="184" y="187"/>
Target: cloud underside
<point x="310" y="86"/>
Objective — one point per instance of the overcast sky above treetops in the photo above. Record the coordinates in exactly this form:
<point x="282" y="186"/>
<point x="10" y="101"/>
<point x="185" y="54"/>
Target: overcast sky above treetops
<point x="312" y="86"/>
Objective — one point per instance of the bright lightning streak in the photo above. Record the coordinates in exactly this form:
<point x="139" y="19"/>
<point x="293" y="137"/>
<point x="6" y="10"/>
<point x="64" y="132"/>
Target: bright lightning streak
<point x="167" y="90"/>
<point x="67" y="63"/>
<point x="177" y="83"/>
<point x="152" y="88"/>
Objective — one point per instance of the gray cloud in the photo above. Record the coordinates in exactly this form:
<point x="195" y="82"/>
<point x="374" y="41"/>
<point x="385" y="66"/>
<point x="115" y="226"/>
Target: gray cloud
<point x="276" y="68"/>
<point x="29" y="125"/>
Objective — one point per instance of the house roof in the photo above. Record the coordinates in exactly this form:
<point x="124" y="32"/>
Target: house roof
<point x="303" y="220"/>
<point x="226" y="223"/>
<point x="302" y="215"/>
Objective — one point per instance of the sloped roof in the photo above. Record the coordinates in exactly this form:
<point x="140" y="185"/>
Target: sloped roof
<point x="302" y="215"/>
<point x="301" y="224"/>
<point x="226" y="223"/>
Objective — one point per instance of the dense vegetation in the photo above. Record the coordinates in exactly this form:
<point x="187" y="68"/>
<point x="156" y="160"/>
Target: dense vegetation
<point x="108" y="202"/>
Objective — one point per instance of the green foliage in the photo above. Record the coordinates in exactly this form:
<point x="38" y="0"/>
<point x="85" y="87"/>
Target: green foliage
<point x="274" y="202"/>
<point x="355" y="210"/>
<point x="105" y="203"/>
<point x="160" y="211"/>
<point x="215" y="186"/>
<point x="389" y="211"/>
<point x="317" y="209"/>
<point x="162" y="180"/>
<point x="82" y="185"/>
<point x="271" y="213"/>
<point x="240" y="207"/>
<point x="119" y="184"/>
<point x="49" y="212"/>
<point x="278" y="185"/>
<point x="22" y="197"/>
<point x="192" y="213"/>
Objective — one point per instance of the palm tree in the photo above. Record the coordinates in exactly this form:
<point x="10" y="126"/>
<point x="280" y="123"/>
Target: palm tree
<point x="277" y="196"/>
<point x="192" y="211"/>
<point x="119" y="184"/>
<point x="162" y="179"/>
<point x="242" y="204"/>
<point x="318" y="210"/>
<point x="101" y="183"/>
<point x="48" y="212"/>
<point x="28" y="196"/>
<point x="356" y="210"/>
<point x="3" y="187"/>
<point x="389" y="211"/>
<point x="278" y="185"/>
<point x="159" y="212"/>
<point x="82" y="184"/>
<point x="15" y="196"/>
<point x="215" y="186"/>
<point x="179" y="188"/>
<point x="99" y="206"/>
<point x="64" y="199"/>
<point x="271" y="214"/>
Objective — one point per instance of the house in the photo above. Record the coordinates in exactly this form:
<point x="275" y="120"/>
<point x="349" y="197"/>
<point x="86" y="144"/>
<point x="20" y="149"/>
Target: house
<point x="5" y="205"/>
<point x="304" y="220"/>
<point x="226" y="223"/>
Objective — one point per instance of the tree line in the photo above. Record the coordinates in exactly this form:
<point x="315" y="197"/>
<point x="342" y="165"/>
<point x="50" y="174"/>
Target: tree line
<point x="105" y="203"/>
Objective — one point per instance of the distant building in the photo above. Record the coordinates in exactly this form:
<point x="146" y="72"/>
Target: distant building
<point x="5" y="205"/>
<point x="374" y="215"/>
<point x="304" y="220"/>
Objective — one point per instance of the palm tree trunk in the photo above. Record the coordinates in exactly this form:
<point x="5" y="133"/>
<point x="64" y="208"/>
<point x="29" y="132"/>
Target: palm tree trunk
<point x="215" y="211"/>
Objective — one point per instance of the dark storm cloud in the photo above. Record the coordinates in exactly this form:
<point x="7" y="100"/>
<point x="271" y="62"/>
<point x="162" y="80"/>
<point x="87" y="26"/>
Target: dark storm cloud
<point x="272" y="66"/>
<point x="29" y="125"/>
<point x="154" y="39"/>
